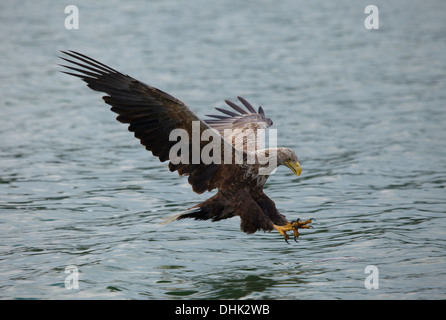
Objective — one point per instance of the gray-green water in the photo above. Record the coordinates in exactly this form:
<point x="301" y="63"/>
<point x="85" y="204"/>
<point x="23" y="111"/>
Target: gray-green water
<point x="364" y="110"/>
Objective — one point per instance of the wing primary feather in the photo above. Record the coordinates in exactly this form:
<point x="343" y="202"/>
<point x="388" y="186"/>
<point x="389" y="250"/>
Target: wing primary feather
<point x="235" y="107"/>
<point x="247" y="105"/>
<point x="82" y="76"/>
<point x="92" y="74"/>
<point x="217" y="116"/>
<point x="79" y="64"/>
<point x="229" y="113"/>
<point x="95" y="61"/>
<point x="90" y="61"/>
<point x="261" y="111"/>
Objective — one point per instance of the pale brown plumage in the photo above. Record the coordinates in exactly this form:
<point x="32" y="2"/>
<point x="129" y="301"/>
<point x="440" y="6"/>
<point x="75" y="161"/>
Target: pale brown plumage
<point x="152" y="114"/>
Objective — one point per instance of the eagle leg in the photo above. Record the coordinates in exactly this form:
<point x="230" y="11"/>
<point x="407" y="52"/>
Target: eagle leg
<point x="293" y="225"/>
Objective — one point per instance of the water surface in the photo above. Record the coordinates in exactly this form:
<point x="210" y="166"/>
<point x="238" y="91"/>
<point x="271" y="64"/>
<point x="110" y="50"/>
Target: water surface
<point x="364" y="110"/>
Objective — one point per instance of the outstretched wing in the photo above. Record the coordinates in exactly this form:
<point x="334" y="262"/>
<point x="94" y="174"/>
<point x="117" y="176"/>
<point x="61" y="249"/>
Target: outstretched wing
<point x="152" y="114"/>
<point x="243" y="126"/>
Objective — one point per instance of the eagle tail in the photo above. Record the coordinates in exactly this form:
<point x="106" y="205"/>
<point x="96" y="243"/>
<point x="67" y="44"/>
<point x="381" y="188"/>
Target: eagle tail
<point x="179" y="216"/>
<point x="214" y="209"/>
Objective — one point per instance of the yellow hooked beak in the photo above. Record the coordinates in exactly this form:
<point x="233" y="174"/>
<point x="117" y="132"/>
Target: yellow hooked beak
<point x="295" y="167"/>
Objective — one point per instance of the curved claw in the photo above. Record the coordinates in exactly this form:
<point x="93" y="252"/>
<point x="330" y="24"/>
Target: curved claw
<point x="294" y="226"/>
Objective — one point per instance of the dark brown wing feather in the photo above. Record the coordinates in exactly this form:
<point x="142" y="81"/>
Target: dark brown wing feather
<point x="151" y="114"/>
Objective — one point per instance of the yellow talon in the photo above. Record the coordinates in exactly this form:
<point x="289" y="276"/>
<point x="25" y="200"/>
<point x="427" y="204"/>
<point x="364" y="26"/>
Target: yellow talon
<point x="293" y="225"/>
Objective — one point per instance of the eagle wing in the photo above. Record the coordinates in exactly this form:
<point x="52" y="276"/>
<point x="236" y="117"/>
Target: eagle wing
<point x="242" y="126"/>
<point x="152" y="114"/>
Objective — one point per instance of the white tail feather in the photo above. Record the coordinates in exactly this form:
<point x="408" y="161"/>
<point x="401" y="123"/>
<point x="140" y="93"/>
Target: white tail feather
<point x="176" y="216"/>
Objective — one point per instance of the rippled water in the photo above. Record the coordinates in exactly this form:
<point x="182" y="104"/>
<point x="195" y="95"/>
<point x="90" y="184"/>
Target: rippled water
<point x="364" y="109"/>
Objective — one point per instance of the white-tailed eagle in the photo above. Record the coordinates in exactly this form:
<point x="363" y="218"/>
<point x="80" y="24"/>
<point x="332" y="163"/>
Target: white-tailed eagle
<point x="153" y="115"/>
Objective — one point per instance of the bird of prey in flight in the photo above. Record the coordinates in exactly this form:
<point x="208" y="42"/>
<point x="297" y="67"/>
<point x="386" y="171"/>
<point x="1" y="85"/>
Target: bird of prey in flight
<point x="153" y="115"/>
